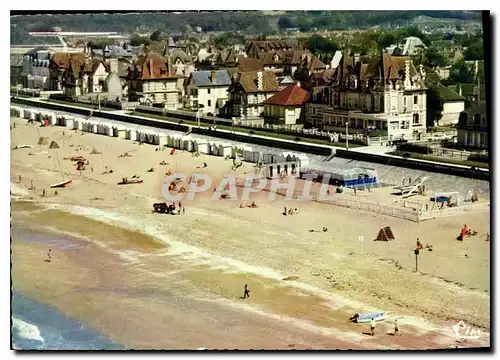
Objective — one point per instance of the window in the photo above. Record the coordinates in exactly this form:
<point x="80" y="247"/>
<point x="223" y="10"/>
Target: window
<point x="477" y="120"/>
<point x="208" y="91"/>
<point x="416" y="119"/>
<point x="394" y="125"/>
<point x="415" y="100"/>
<point x="209" y="103"/>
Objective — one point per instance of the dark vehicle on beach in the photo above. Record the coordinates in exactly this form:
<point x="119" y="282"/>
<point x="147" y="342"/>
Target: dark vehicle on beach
<point x="163" y="208"/>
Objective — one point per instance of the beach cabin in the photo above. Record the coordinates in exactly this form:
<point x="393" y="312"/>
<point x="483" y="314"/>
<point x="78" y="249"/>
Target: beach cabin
<point x="110" y="131"/>
<point x="131" y="134"/>
<point x="225" y="150"/>
<point x="303" y="159"/>
<point x="70" y="123"/>
<point x="177" y="142"/>
<point x="170" y="141"/>
<point x="53" y="119"/>
<point x="271" y="156"/>
<point x="121" y="132"/>
<point x="61" y="121"/>
<point x="201" y="146"/>
<point x="213" y="148"/>
<point x="162" y="139"/>
<point x="187" y="143"/>
<point x="248" y="154"/>
<point x="282" y="169"/>
<point x="357" y="177"/>
<point x="86" y="126"/>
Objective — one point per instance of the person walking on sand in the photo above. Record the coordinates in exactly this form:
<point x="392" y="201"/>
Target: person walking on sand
<point x="19" y="178"/>
<point x="372" y="327"/>
<point x="246" y="292"/>
<point x="396" y="328"/>
<point x="49" y="257"/>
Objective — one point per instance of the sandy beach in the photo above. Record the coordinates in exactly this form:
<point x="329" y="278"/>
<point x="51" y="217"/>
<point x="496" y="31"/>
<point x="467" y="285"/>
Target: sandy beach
<point x="156" y="281"/>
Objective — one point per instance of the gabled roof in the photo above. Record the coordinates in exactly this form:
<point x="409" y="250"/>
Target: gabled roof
<point x="292" y="95"/>
<point x="315" y="64"/>
<point x="204" y="78"/>
<point x="62" y="60"/>
<point x="95" y="65"/>
<point x="447" y="94"/>
<point x="478" y="109"/>
<point x="179" y="54"/>
<point x="285" y="80"/>
<point x="249" y="64"/>
<point x="153" y="66"/>
<point x="249" y="81"/>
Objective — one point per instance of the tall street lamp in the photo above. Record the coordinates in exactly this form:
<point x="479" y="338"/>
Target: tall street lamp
<point x="347" y="136"/>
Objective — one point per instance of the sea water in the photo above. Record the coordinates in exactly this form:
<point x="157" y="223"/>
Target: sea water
<point x="39" y="327"/>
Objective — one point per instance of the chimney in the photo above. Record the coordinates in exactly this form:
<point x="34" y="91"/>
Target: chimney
<point x="259" y="80"/>
<point x="113" y="65"/>
<point x="356" y="58"/>
<point x="407" y="82"/>
<point x="213" y="74"/>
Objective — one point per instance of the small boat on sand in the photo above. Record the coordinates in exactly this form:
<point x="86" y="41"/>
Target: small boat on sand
<point x="61" y="184"/>
<point x="365" y="318"/>
<point x="126" y="181"/>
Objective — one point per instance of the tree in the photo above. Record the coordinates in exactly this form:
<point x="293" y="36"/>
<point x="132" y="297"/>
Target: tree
<point x="386" y="40"/>
<point x="461" y="73"/>
<point x="136" y="40"/>
<point x="474" y="51"/>
<point x="434" y="57"/>
<point x="157" y="35"/>
<point x="304" y="24"/>
<point x="285" y="23"/>
<point x="320" y="44"/>
<point x="370" y="48"/>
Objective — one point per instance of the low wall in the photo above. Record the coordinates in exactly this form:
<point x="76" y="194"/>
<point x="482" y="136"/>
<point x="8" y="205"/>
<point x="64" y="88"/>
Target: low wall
<point x="449" y="169"/>
<point x="164" y="124"/>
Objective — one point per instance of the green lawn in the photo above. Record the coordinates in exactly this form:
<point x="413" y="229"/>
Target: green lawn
<point x="246" y="131"/>
<point x="441" y="159"/>
<point x="83" y="105"/>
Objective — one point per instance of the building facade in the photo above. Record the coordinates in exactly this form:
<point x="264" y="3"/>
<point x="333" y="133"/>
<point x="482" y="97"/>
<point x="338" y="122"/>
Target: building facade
<point x="151" y="80"/>
<point x="386" y="94"/>
<point x="248" y="92"/>
<point x="472" y="128"/>
<point x="207" y="90"/>
<point x="285" y="107"/>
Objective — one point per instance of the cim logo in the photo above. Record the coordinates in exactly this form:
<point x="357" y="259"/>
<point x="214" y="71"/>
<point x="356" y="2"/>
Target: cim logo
<point x="463" y="331"/>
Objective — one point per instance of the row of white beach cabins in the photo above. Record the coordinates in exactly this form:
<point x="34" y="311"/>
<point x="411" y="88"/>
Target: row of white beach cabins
<point x="276" y="162"/>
